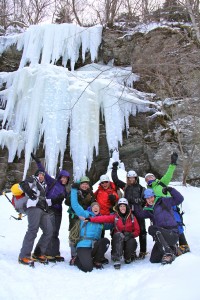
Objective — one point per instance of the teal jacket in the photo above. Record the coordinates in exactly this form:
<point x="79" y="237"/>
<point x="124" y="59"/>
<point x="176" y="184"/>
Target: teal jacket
<point x="89" y="232"/>
<point x="165" y="180"/>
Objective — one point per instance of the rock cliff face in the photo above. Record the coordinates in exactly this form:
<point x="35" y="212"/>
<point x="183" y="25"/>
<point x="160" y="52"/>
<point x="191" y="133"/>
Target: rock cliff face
<point x="167" y="61"/>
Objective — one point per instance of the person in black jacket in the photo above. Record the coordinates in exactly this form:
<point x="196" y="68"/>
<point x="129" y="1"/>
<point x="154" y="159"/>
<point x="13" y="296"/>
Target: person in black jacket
<point x="134" y="193"/>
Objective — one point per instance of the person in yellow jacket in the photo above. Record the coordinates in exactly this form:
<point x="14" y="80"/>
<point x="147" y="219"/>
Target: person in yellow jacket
<point x="158" y="186"/>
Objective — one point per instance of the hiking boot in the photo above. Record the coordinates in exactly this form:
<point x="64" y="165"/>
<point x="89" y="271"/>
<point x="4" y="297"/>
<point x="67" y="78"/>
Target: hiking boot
<point x="167" y="258"/>
<point x="104" y="261"/>
<point x="59" y="258"/>
<point x="26" y="261"/>
<point x="184" y="248"/>
<point x="133" y="256"/>
<point x="51" y="258"/>
<point x="117" y="265"/>
<point x="97" y="265"/>
<point x="128" y="261"/>
<point x="72" y="261"/>
<point x="142" y="255"/>
<point x="40" y="258"/>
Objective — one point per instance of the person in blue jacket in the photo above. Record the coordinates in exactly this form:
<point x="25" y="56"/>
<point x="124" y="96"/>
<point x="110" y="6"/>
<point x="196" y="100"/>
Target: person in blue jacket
<point x="55" y="194"/>
<point x="164" y="229"/>
<point x="91" y="247"/>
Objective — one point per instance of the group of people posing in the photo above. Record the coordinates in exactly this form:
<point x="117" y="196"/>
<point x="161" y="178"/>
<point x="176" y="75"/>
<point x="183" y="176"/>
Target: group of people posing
<point x="117" y="206"/>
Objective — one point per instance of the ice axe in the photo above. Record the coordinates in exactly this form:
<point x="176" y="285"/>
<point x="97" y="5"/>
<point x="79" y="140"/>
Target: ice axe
<point x="20" y="214"/>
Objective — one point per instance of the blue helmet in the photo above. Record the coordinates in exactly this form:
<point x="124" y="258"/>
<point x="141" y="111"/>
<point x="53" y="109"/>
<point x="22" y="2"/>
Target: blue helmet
<point x="148" y="193"/>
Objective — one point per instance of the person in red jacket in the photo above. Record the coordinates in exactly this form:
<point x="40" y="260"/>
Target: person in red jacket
<point x="106" y="195"/>
<point x="126" y="229"/>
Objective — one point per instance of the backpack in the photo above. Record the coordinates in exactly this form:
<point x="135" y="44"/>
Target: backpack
<point x="19" y="199"/>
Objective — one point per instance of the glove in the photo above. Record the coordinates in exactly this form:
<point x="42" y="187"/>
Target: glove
<point x="137" y="201"/>
<point x="127" y="236"/>
<point x="35" y="158"/>
<point x="32" y="194"/>
<point x="75" y="185"/>
<point x="115" y="165"/>
<point x="58" y="200"/>
<point x="112" y="199"/>
<point x="166" y="189"/>
<point x="87" y="220"/>
<point x="174" y="158"/>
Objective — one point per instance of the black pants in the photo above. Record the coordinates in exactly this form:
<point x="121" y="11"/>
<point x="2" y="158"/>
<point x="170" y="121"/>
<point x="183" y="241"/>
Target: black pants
<point x="53" y="248"/>
<point x="165" y="240"/>
<point x="86" y="255"/>
<point x="121" y="247"/>
<point x="143" y="235"/>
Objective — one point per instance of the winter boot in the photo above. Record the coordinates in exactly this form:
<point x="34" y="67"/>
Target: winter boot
<point x="97" y="265"/>
<point x="142" y="255"/>
<point x="42" y="259"/>
<point x="128" y="261"/>
<point x="72" y="261"/>
<point x="184" y="248"/>
<point x="51" y="258"/>
<point x="59" y="258"/>
<point x="104" y="261"/>
<point x="26" y="261"/>
<point x="117" y="265"/>
<point x="167" y="258"/>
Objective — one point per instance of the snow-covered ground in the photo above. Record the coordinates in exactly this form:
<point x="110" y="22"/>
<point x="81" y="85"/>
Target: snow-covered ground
<point x="139" y="280"/>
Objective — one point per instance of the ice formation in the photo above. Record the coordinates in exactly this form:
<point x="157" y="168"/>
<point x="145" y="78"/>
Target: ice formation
<point x="44" y="101"/>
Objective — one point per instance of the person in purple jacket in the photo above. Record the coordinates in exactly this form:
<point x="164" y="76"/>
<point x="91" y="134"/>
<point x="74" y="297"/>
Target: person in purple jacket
<point x="55" y="194"/>
<point x="164" y="228"/>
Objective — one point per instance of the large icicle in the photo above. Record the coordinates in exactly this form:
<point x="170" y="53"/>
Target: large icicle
<point x="44" y="101"/>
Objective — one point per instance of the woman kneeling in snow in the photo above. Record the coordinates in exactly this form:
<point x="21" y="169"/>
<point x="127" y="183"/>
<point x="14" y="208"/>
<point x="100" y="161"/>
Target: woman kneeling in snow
<point x="126" y="229"/>
<point x="90" y="247"/>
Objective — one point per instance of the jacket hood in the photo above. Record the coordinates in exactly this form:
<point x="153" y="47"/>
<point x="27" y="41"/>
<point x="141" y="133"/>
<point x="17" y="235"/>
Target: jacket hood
<point x="63" y="173"/>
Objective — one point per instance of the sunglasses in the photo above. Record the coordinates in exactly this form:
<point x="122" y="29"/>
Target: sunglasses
<point x="104" y="182"/>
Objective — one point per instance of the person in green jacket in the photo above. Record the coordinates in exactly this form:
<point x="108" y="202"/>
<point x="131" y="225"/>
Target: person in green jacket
<point x="157" y="185"/>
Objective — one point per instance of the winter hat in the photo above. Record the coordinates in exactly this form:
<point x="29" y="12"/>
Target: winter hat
<point x="148" y="193"/>
<point x="122" y="201"/>
<point x="84" y="179"/>
<point x="104" y="178"/>
<point x="93" y="204"/>
<point x="132" y="173"/>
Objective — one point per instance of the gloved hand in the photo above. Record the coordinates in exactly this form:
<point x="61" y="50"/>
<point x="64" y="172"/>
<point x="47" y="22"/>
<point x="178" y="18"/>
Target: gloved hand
<point x="112" y="199"/>
<point x="137" y="200"/>
<point x="75" y="185"/>
<point x="127" y="236"/>
<point x="87" y="220"/>
<point x="58" y="200"/>
<point x="166" y="189"/>
<point x="37" y="160"/>
<point x="115" y="165"/>
<point x="32" y="194"/>
<point x="174" y="158"/>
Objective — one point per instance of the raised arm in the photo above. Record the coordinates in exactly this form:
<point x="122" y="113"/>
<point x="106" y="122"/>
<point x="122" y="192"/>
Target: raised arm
<point x="76" y="206"/>
<point x="115" y="178"/>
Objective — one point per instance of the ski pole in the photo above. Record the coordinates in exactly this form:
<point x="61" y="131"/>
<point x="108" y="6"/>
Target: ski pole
<point x="19" y="215"/>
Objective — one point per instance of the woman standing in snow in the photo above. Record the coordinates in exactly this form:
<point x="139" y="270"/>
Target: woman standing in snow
<point x="90" y="247"/>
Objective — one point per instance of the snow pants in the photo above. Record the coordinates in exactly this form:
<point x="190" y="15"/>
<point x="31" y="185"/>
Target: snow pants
<point x="165" y="240"/>
<point x="86" y="255"/>
<point x="53" y="248"/>
<point x="37" y="218"/>
<point x="143" y="235"/>
<point x="121" y="247"/>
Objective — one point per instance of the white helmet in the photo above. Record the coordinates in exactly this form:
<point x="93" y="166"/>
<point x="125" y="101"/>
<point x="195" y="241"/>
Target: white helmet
<point x="122" y="201"/>
<point x="148" y="175"/>
<point x="104" y="178"/>
<point x="132" y="173"/>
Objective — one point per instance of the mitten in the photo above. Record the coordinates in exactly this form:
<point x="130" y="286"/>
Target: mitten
<point x="174" y="158"/>
<point x="87" y="220"/>
<point x="37" y="160"/>
<point x="32" y="194"/>
<point x="166" y="189"/>
<point x="115" y="165"/>
<point x="75" y="185"/>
